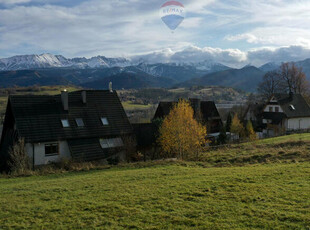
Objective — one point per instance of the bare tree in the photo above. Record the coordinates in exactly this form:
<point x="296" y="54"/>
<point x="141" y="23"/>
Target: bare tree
<point x="271" y="84"/>
<point x="288" y="79"/>
<point x="300" y="83"/>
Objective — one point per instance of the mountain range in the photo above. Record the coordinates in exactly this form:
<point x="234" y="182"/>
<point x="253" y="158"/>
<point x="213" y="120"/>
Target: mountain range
<point x="97" y="72"/>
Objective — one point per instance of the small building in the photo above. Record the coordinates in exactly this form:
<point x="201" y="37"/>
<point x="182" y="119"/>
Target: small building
<point x="285" y="113"/>
<point x="204" y="111"/>
<point x="85" y="125"/>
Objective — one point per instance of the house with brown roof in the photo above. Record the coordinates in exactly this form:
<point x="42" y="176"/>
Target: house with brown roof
<point x="204" y="111"/>
<point x="284" y="113"/>
<point x="86" y="125"/>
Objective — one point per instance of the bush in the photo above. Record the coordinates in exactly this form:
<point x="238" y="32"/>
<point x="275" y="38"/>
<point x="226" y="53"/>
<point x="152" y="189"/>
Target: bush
<point x="18" y="160"/>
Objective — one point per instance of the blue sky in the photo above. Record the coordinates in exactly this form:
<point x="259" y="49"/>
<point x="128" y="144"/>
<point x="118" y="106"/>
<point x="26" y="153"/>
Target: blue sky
<point x="231" y="32"/>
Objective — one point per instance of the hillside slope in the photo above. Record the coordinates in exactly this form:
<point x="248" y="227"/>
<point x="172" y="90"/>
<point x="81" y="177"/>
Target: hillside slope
<point x="129" y="80"/>
<point x="171" y="195"/>
<point x="246" y="79"/>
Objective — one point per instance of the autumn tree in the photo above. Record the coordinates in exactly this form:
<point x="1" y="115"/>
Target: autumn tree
<point x="180" y="134"/>
<point x="236" y="126"/>
<point x="250" y="133"/>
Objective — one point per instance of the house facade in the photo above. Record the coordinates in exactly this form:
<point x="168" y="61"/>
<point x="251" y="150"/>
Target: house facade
<point x="204" y="111"/>
<point x="86" y="125"/>
<point x="284" y="113"/>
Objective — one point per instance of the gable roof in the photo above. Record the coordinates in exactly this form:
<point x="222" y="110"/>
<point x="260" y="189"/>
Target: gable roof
<point x="38" y="117"/>
<point x="163" y="109"/>
<point x="302" y="108"/>
<point x="207" y="109"/>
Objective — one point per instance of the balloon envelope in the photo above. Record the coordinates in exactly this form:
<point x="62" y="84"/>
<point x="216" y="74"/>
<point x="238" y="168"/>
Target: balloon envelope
<point x="172" y="14"/>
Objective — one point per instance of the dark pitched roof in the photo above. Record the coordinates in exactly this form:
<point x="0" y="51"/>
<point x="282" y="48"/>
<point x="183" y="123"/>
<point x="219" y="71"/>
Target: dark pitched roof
<point x="38" y="118"/>
<point x="163" y="109"/>
<point x="207" y="109"/>
<point x="302" y="108"/>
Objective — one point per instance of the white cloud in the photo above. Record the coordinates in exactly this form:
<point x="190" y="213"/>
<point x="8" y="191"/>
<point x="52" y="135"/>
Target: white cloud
<point x="283" y="54"/>
<point x="230" y="57"/>
<point x="12" y="2"/>
<point x="278" y="36"/>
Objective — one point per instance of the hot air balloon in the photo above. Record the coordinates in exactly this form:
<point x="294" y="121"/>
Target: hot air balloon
<point x="172" y="13"/>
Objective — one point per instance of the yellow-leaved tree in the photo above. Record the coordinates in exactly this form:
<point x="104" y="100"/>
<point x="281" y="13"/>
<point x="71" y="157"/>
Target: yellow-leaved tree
<point x="251" y="135"/>
<point x="236" y="127"/>
<point x="181" y="135"/>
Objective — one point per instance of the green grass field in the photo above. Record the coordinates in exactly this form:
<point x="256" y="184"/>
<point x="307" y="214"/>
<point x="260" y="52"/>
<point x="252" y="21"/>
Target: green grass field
<point x="131" y="106"/>
<point x="273" y="193"/>
<point x="272" y="196"/>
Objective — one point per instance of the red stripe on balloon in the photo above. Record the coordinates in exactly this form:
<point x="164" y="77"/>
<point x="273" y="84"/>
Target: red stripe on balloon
<point x="174" y="3"/>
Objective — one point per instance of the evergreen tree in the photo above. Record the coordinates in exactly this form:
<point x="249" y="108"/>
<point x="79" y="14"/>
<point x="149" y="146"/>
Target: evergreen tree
<point x="228" y="122"/>
<point x="222" y="139"/>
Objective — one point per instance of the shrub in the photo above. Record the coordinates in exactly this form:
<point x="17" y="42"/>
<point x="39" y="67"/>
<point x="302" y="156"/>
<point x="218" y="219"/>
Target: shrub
<point x="18" y="160"/>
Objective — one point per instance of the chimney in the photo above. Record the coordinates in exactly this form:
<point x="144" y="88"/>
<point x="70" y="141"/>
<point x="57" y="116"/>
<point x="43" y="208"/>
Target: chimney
<point x="65" y="99"/>
<point x="84" y="97"/>
<point x="110" y="87"/>
<point x="195" y="103"/>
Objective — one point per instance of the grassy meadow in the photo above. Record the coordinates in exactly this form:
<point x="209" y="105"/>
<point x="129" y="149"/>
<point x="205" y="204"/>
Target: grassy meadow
<point x="238" y="194"/>
<point x="284" y="149"/>
<point x="176" y="196"/>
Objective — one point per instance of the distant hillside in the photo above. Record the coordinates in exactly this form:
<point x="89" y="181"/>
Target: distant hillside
<point x="129" y="80"/>
<point x="246" y="79"/>
<point x="132" y="77"/>
<point x="29" y="78"/>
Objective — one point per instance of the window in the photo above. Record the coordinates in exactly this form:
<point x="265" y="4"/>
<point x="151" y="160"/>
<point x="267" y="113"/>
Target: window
<point x="51" y="149"/>
<point x="292" y="107"/>
<point x="104" y="143"/>
<point x="104" y="121"/>
<point x="65" y="123"/>
<point x="277" y="109"/>
<point x="270" y="109"/>
<point x="79" y="122"/>
<point x="111" y="143"/>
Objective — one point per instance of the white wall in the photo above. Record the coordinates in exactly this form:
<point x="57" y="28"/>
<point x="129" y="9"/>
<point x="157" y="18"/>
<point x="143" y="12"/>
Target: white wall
<point x="298" y="123"/>
<point x="41" y="159"/>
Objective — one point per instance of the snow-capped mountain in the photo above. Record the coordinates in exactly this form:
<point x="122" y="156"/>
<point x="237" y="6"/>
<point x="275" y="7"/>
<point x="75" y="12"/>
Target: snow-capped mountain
<point x="181" y="71"/>
<point x="23" y="62"/>
<point x="32" y="61"/>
